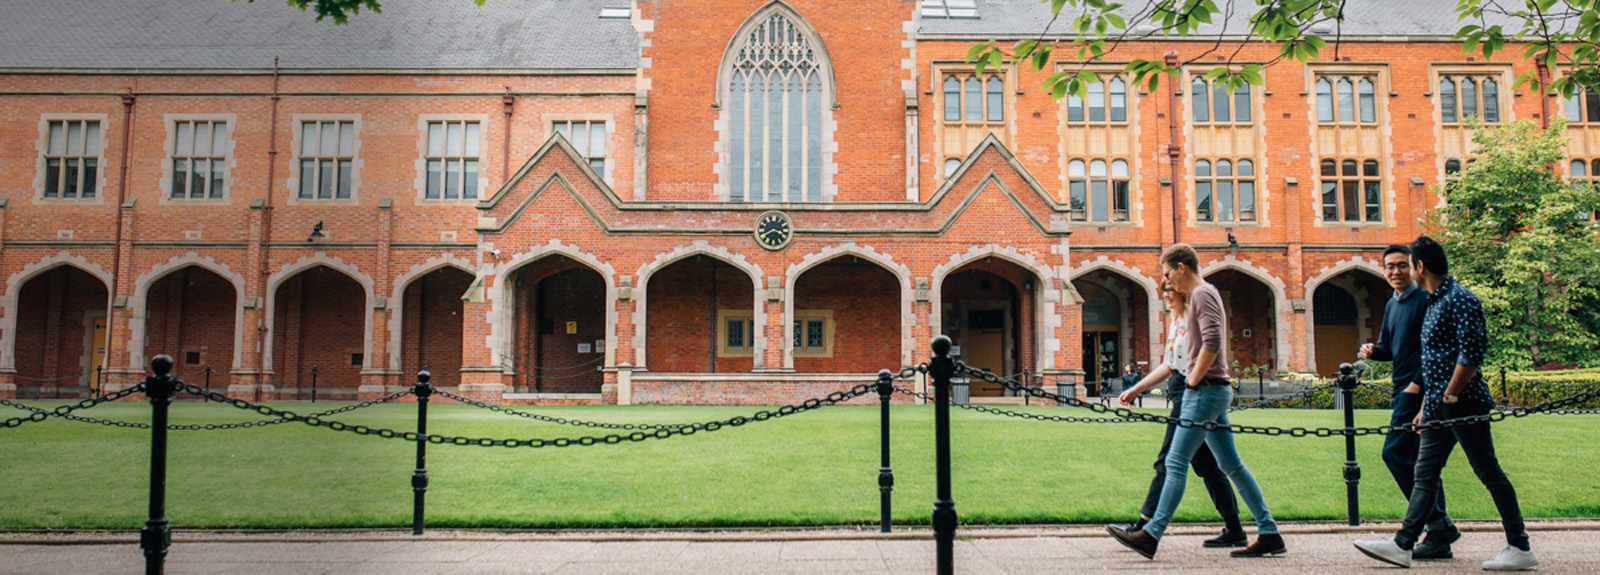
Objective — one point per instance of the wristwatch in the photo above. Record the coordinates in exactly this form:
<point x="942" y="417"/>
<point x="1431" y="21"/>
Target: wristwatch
<point x="1451" y="398"/>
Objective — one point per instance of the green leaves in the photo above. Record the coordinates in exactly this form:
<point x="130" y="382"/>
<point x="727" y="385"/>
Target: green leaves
<point x="341" y="10"/>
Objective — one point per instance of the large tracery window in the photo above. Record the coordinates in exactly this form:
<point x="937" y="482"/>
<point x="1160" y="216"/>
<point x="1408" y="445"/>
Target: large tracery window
<point x="776" y="112"/>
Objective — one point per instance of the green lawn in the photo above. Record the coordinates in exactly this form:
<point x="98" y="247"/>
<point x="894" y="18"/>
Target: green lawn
<point x="816" y="468"/>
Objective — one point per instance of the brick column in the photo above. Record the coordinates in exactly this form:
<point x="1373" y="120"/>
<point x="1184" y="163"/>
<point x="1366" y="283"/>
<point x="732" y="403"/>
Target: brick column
<point x="481" y="375"/>
<point x="243" y="380"/>
<point x="377" y="378"/>
<point x="1299" y="356"/>
<point x="121" y="371"/>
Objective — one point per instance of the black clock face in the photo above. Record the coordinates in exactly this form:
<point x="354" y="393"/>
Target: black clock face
<point x="774" y="230"/>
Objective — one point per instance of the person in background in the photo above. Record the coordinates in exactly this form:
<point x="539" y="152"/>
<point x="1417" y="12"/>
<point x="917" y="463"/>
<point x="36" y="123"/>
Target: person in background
<point x="1207" y="395"/>
<point x="1454" y="340"/>
<point x="1170" y="370"/>
<point x="1400" y="341"/>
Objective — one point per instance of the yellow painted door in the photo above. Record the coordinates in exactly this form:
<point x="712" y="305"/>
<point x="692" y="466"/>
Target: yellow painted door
<point x="985" y="348"/>
<point x="1336" y="344"/>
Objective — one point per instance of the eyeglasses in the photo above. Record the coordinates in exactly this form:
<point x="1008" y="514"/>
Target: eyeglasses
<point x="1402" y="266"/>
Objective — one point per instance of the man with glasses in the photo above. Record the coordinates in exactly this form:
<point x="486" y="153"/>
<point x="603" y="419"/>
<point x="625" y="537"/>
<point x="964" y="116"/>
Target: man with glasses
<point x="1455" y="338"/>
<point x="1400" y="341"/>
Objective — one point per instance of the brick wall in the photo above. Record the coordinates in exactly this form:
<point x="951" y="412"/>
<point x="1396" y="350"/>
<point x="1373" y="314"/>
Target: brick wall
<point x="431" y="327"/>
<point x="189" y="315"/>
<point x="681" y="300"/>
<point x="547" y="302"/>
<point x="52" y="311"/>
<point x="1250" y="306"/>
<point x="319" y="322"/>
<point x="865" y="301"/>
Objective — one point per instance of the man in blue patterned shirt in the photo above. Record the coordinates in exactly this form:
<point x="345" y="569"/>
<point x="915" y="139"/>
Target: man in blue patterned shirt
<point x="1454" y="340"/>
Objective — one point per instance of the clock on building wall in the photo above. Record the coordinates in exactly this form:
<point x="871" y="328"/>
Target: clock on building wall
<point x="774" y="230"/>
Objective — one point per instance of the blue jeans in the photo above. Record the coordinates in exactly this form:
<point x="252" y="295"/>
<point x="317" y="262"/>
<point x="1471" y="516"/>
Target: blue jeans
<point x="1202" y="404"/>
<point x="1400" y="454"/>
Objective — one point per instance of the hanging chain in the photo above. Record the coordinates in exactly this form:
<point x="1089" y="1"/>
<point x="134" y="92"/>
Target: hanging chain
<point x="39" y="414"/>
<point x="660" y="433"/>
<point x="556" y="420"/>
<point x="1017" y="414"/>
<point x="1126" y="413"/>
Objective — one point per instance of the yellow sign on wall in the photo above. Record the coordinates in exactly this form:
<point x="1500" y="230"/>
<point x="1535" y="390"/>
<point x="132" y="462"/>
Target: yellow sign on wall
<point x="572" y="327"/>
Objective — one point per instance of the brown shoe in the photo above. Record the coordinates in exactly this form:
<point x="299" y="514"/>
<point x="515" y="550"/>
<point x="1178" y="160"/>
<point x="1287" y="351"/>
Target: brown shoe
<point x="1266" y="544"/>
<point x="1139" y="541"/>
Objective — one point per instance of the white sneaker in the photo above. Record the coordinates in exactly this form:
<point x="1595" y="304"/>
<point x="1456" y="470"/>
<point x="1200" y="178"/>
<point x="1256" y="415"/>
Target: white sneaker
<point x="1512" y="559"/>
<point x="1387" y="551"/>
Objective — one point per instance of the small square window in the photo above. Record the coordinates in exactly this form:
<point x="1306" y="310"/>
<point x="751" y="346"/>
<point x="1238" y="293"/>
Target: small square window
<point x="191" y="358"/>
<point x="355" y="359"/>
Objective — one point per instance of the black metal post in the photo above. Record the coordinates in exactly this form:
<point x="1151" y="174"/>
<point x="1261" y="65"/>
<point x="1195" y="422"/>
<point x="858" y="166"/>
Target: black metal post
<point x="1505" y="396"/>
<point x="1261" y="382"/>
<point x="313" y="384"/>
<point x="941" y="367"/>
<point x="156" y="536"/>
<point x="1026" y="382"/>
<point x="885" y="474"/>
<point x="99" y="384"/>
<point x="208" y="383"/>
<point x="419" y="477"/>
<point x="1352" y="470"/>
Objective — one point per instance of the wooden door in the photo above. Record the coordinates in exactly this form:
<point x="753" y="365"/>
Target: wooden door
<point x="97" y="354"/>
<point x="985" y="348"/>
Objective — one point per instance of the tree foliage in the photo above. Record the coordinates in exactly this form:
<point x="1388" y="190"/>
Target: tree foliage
<point x="1523" y="240"/>
<point x="1562" y="34"/>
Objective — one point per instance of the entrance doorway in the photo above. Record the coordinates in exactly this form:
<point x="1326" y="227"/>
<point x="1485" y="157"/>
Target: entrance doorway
<point x="1337" y="334"/>
<point x="96" y="351"/>
<point x="1102" y="358"/>
<point x="985" y="347"/>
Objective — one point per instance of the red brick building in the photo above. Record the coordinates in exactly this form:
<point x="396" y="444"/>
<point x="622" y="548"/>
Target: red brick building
<point x="750" y="201"/>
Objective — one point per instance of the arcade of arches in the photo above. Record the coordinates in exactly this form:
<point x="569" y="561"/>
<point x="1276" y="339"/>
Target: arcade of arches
<point x="64" y="310"/>
<point x="989" y="312"/>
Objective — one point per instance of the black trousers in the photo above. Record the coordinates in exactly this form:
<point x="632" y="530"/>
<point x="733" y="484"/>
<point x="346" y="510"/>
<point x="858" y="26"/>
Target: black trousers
<point x="1400" y="455"/>
<point x="1477" y="443"/>
<point x="1205" y="465"/>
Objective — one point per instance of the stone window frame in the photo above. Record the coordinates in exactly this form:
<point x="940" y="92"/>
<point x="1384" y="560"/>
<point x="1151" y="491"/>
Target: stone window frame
<point x="1355" y="77"/>
<point x="1340" y="179"/>
<point x="1255" y="178"/>
<point x="420" y="183"/>
<point x="1380" y="74"/>
<point x="828" y="88"/>
<point x="550" y="120"/>
<point x="1458" y="80"/>
<point x="1250" y="94"/>
<point x="747" y="319"/>
<point x="41" y="163"/>
<point x="1088" y="180"/>
<point x="801" y="322"/>
<point x="170" y="122"/>
<point x="939" y="73"/>
<point x="298" y="121"/>
<point x="1105" y="75"/>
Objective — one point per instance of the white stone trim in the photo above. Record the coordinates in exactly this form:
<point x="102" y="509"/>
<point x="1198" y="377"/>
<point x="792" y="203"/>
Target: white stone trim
<point x="420" y="183"/>
<point x="1152" y="300"/>
<point x="502" y="312"/>
<point x="297" y="124"/>
<point x="1328" y="273"/>
<point x="1280" y="295"/>
<point x="138" y="304"/>
<point x="397" y="300"/>
<point x="641" y="293"/>
<point x="8" y="323"/>
<point x="303" y="264"/>
<point x="42" y="144"/>
<point x="164" y="187"/>
<point x="869" y="253"/>
<point x="830" y="147"/>
<point x="1046" y="297"/>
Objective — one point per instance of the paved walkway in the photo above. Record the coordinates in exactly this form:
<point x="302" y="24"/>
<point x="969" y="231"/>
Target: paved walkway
<point x="1564" y="547"/>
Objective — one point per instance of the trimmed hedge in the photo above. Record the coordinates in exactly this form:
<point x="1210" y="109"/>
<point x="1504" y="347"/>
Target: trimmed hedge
<point x="1521" y="388"/>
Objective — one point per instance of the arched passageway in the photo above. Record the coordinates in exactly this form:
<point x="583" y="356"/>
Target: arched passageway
<point x="1346" y="311"/>
<point x="846" y="318"/>
<point x="1252" y="321"/>
<point x="189" y="314"/>
<point x="430" y="325"/>
<point x="1116" y="327"/>
<point x="702" y="318"/>
<point x="319" y="321"/>
<point x="560" y="341"/>
<point x="61" y="334"/>
<point x="989" y="313"/>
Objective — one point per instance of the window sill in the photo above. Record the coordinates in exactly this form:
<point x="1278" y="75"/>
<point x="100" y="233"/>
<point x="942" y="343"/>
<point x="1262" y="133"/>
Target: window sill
<point x="298" y="201"/>
<point x="95" y="201"/>
<point x="1200" y="224"/>
<point x="170" y="201"/>
<point x="472" y="202"/>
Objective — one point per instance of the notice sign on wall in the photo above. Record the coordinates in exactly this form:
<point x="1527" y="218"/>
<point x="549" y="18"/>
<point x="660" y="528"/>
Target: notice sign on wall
<point x="584" y="348"/>
<point x="572" y="327"/>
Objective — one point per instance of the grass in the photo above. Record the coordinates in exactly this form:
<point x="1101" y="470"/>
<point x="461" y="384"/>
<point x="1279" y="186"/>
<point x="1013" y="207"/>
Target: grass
<point x="817" y="468"/>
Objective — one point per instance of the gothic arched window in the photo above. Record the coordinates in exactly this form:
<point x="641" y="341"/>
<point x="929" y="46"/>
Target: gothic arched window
<point x="777" y="109"/>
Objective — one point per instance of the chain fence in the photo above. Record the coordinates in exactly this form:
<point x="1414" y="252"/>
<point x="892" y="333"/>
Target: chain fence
<point x="38" y="415"/>
<point x="195" y="426"/>
<point x="1556" y="406"/>
<point x="553" y="419"/>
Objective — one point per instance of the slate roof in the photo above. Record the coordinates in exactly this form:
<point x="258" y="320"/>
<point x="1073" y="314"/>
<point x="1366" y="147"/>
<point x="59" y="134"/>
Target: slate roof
<point x="458" y="35"/>
<point x="1012" y="18"/>
<point x="222" y="34"/>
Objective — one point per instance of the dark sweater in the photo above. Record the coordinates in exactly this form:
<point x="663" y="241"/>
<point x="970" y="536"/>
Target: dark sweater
<point x="1400" y="339"/>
